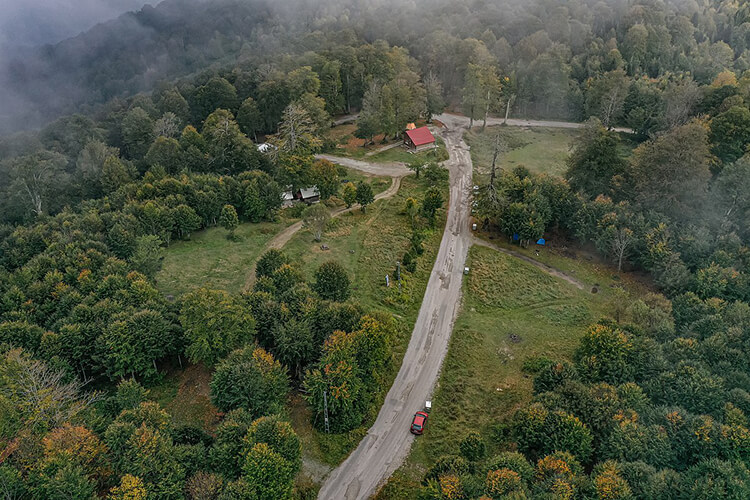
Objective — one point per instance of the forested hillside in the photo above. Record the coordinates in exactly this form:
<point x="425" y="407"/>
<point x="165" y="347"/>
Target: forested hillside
<point x="552" y="49"/>
<point x="148" y="132"/>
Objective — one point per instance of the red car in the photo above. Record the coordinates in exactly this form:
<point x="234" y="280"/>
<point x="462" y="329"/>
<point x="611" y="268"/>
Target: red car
<point x="418" y="423"/>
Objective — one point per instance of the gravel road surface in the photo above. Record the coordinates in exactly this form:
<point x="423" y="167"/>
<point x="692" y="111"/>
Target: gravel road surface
<point x="387" y="443"/>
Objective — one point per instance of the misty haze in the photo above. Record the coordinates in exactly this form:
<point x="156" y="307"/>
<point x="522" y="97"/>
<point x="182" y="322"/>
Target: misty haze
<point x="36" y="22"/>
<point x="369" y="249"/>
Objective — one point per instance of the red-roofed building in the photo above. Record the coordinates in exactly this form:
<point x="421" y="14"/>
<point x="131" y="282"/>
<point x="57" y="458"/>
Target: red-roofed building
<point x="419" y="139"/>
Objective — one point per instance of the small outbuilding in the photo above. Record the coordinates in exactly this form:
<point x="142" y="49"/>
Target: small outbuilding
<point x="288" y="200"/>
<point x="308" y="195"/>
<point x="419" y="139"/>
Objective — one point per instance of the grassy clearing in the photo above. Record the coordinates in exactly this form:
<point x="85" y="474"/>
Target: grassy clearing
<point x="378" y="183"/>
<point x="368" y="246"/>
<point x="541" y="150"/>
<point x="511" y="311"/>
<point x="209" y="259"/>
<point x="585" y="265"/>
<point x="185" y="394"/>
<point x="482" y="381"/>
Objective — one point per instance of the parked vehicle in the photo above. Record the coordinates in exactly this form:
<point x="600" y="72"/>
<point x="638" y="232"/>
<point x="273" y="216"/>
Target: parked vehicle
<point x="420" y="419"/>
<point x="418" y="423"/>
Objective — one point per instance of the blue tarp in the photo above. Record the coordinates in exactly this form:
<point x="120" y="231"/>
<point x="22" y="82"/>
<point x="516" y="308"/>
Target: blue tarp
<point x="516" y="237"/>
<point x="540" y="241"/>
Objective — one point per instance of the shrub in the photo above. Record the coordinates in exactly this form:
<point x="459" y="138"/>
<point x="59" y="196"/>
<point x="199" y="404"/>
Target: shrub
<point x="472" y="447"/>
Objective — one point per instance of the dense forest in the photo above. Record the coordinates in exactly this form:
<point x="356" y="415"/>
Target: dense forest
<point x="556" y="51"/>
<point x="148" y="132"/>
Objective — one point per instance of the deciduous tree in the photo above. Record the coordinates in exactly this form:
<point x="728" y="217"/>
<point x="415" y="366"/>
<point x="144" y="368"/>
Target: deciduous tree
<point x="267" y="474"/>
<point x="229" y="220"/>
<point x="252" y="379"/>
<point x="364" y="195"/>
<point x="214" y="324"/>
<point x="332" y="282"/>
<point x="316" y="217"/>
<point x="349" y="193"/>
<point x="324" y="175"/>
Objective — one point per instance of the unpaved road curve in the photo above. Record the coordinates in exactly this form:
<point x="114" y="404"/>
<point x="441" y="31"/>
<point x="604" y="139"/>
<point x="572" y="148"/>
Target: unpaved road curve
<point x="387" y="442"/>
<point x="281" y="239"/>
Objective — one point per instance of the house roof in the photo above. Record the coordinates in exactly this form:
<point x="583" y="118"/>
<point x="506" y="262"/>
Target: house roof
<point x="309" y="192"/>
<point x="420" y="136"/>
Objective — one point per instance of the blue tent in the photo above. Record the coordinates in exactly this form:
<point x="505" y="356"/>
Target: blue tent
<point x="540" y="241"/>
<point x="516" y="237"/>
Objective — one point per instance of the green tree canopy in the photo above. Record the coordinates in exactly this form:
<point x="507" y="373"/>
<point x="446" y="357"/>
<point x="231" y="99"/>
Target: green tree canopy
<point x="332" y="282"/>
<point x="250" y="378"/>
<point x="215" y="323"/>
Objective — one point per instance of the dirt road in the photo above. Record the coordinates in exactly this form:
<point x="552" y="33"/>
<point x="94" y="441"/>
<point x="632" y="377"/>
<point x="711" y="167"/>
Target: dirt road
<point x="517" y="122"/>
<point x="281" y="239"/>
<point x="388" y="441"/>
<point x="393" y="169"/>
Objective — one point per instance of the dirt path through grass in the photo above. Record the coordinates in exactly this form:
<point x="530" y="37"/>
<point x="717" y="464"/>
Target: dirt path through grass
<point x="544" y="267"/>
<point x="284" y="236"/>
<point x="392" y="169"/>
<point x="384" y="148"/>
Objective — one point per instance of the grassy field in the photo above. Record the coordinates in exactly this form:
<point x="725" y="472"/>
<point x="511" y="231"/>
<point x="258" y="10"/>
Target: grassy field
<point x="368" y="246"/>
<point x="209" y="259"/>
<point x="511" y="311"/>
<point x="541" y="150"/>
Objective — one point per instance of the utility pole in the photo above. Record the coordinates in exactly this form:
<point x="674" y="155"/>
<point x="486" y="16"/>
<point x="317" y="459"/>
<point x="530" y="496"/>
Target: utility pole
<point x="507" y="108"/>
<point x="325" y="411"/>
<point x="493" y="174"/>
<point x="493" y="171"/>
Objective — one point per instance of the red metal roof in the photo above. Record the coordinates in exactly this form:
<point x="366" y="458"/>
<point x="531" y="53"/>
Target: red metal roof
<point x="420" y="136"/>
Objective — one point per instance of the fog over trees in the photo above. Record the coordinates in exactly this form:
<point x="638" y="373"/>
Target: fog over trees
<point x="37" y="22"/>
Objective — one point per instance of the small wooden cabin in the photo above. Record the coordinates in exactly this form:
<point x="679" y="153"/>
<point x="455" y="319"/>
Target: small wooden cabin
<point x="419" y="139"/>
